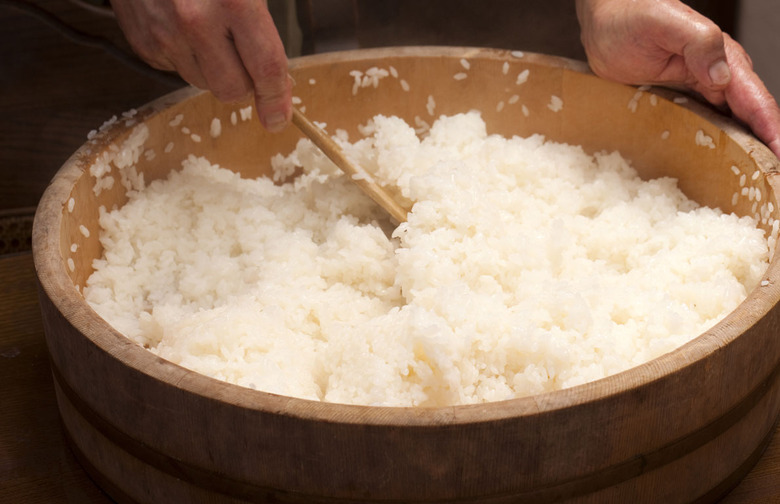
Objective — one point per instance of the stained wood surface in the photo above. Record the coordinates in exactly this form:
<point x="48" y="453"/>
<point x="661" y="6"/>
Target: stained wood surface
<point x="36" y="465"/>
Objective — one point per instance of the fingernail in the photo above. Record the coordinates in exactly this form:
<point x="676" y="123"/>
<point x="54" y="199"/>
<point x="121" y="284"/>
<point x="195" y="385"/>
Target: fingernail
<point x="720" y="73"/>
<point x="275" y="122"/>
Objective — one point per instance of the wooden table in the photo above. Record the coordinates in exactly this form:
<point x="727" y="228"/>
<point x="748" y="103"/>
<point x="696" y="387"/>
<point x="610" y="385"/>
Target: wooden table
<point x="36" y="465"/>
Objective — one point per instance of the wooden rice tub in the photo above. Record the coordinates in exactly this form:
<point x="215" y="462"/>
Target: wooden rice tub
<point x="682" y="428"/>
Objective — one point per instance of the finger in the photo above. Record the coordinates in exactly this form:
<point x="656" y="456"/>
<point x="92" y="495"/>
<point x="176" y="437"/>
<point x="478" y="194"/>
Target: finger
<point x="220" y="64"/>
<point x="700" y="42"/>
<point x="750" y="100"/>
<point x="262" y="53"/>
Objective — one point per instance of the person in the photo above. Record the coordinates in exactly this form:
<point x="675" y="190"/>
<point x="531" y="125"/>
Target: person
<point x="233" y="49"/>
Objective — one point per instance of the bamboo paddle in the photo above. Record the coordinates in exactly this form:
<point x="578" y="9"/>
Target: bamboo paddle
<point x="364" y="181"/>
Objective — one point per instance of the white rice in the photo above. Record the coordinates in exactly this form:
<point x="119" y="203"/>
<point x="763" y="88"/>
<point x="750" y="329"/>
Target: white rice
<point x="374" y="75"/>
<point x="508" y="279"/>
<point x="633" y="103"/>
<point x="556" y="103"/>
<point x="430" y="105"/>
<point x="522" y="77"/>
<point x="215" y="129"/>
<point x="246" y="113"/>
<point x="370" y="78"/>
<point x="704" y="140"/>
<point x="357" y="76"/>
<point x="176" y="120"/>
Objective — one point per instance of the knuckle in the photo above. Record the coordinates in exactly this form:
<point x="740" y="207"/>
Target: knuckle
<point x="271" y="79"/>
<point x="231" y="91"/>
<point x="190" y="16"/>
<point x="273" y="66"/>
<point x="275" y="70"/>
<point x="271" y="93"/>
<point x="708" y="34"/>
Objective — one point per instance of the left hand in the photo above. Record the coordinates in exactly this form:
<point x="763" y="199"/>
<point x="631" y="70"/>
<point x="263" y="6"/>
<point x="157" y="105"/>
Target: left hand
<point x="665" y="42"/>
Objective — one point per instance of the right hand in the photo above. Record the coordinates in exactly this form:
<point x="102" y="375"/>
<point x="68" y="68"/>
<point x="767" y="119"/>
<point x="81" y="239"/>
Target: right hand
<point x="231" y="48"/>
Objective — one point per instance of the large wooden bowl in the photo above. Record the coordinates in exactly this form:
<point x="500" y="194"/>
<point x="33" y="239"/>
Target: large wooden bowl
<point x="683" y="427"/>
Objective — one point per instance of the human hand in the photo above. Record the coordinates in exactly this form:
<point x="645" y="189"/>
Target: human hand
<point x="230" y="48"/>
<point x="665" y="42"/>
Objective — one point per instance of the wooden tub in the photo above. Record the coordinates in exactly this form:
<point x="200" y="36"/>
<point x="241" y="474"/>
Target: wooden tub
<point x="684" y="427"/>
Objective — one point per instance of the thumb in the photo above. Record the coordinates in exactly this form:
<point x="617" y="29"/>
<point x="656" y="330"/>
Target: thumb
<point x="273" y="102"/>
<point x="695" y="37"/>
<point x="705" y="55"/>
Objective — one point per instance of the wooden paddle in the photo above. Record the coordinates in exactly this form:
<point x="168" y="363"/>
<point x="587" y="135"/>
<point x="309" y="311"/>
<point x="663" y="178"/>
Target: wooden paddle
<point x="356" y="174"/>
